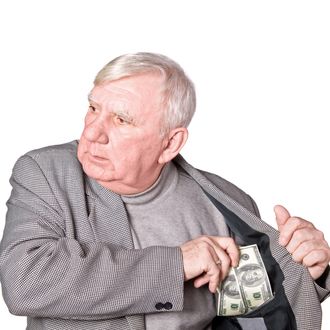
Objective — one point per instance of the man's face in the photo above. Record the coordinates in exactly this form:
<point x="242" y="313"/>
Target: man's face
<point x="253" y="275"/>
<point x="121" y="143"/>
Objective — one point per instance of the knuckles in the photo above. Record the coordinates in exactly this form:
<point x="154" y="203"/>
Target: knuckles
<point x="319" y="235"/>
<point x="300" y="222"/>
<point x="204" y="240"/>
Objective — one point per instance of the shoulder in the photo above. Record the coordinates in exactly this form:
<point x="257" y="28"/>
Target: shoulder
<point x="65" y="151"/>
<point x="54" y="156"/>
<point x="54" y="161"/>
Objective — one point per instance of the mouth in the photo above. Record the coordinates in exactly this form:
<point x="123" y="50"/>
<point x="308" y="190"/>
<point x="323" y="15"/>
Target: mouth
<point x="97" y="158"/>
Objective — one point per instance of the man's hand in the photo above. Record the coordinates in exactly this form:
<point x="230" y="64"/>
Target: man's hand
<point x="303" y="241"/>
<point x="207" y="259"/>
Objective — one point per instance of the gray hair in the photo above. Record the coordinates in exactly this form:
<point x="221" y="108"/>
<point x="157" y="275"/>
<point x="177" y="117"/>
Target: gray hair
<point x="179" y="97"/>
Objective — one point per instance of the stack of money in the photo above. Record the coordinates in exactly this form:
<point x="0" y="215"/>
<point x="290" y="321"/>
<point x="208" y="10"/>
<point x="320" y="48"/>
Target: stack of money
<point x="246" y="287"/>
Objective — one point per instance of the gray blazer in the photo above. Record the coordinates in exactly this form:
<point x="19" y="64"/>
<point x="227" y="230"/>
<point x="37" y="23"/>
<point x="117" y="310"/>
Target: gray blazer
<point x="67" y="259"/>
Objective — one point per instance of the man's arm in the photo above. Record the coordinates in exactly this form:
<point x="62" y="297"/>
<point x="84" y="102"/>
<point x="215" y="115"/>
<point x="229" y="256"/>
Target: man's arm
<point x="44" y="273"/>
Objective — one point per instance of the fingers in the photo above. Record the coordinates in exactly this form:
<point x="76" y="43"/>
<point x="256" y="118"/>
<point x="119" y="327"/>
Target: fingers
<point x="200" y="257"/>
<point x="316" y="257"/>
<point x="282" y="215"/>
<point x="316" y="261"/>
<point x="309" y="253"/>
<point x="290" y="227"/>
<point x="313" y="254"/>
<point x="227" y="254"/>
<point x="304" y="235"/>
<point x="212" y="276"/>
<point x="317" y="270"/>
<point x="227" y="244"/>
<point x="303" y="241"/>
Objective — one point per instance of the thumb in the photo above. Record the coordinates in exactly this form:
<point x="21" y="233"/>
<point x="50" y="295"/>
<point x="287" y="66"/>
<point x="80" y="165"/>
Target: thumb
<point x="282" y="215"/>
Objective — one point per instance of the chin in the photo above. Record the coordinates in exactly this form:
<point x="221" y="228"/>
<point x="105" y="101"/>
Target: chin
<point x="96" y="171"/>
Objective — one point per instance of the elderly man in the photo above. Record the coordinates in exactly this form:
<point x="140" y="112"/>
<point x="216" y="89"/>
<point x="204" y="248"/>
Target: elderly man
<point x="118" y="231"/>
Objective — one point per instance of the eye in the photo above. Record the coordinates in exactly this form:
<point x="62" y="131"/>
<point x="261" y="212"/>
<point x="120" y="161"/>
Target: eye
<point x="91" y="108"/>
<point x="121" y="120"/>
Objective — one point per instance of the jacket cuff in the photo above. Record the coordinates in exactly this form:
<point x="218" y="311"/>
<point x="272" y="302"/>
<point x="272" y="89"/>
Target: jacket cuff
<point x="322" y="285"/>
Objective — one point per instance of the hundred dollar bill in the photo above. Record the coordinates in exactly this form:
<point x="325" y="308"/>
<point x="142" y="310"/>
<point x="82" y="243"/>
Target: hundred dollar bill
<point x="252" y="278"/>
<point x="246" y="287"/>
<point x="230" y="300"/>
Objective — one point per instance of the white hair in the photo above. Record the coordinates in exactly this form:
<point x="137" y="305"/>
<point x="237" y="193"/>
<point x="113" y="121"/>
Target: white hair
<point x="179" y="97"/>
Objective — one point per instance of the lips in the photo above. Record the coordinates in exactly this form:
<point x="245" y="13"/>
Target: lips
<point x="97" y="158"/>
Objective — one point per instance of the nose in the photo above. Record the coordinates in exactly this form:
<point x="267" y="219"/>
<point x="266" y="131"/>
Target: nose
<point x="95" y="132"/>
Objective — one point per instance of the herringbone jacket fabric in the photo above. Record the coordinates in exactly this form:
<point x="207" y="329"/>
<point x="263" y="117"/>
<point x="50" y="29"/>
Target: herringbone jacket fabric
<point x="67" y="258"/>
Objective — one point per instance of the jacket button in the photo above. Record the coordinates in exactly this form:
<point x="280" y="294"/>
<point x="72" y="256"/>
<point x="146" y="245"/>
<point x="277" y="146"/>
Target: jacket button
<point x="168" y="306"/>
<point x="159" y="306"/>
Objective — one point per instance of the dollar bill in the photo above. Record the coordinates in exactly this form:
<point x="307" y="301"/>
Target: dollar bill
<point x="231" y="301"/>
<point x="246" y="287"/>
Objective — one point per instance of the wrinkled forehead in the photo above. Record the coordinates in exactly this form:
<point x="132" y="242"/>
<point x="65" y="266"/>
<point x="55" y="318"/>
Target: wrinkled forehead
<point x="140" y="88"/>
<point x="106" y="93"/>
<point x="139" y="97"/>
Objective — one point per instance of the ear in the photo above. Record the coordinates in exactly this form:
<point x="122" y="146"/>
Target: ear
<point x="174" y="142"/>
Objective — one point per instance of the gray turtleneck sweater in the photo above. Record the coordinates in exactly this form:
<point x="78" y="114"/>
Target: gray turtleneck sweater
<point x="172" y="211"/>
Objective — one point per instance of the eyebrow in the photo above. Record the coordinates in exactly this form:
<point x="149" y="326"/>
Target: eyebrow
<point x="125" y="115"/>
<point x="118" y="112"/>
<point x="90" y="98"/>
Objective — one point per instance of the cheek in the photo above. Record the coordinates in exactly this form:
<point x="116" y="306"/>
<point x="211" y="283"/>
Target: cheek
<point x="121" y="142"/>
<point x="147" y="151"/>
<point x="81" y="149"/>
<point x="83" y="146"/>
<point x="88" y="118"/>
<point x="126" y="153"/>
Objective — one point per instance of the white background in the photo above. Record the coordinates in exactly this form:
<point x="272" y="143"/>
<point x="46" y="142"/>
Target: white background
<point x="261" y="70"/>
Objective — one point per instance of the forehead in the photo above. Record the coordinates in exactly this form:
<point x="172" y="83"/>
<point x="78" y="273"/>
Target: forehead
<point x="140" y="90"/>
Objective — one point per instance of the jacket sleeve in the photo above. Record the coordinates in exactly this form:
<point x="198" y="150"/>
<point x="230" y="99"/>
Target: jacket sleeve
<point x="322" y="285"/>
<point x="46" y="274"/>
